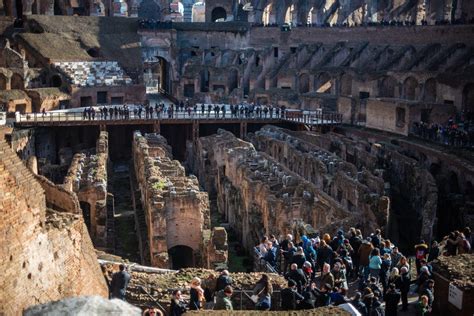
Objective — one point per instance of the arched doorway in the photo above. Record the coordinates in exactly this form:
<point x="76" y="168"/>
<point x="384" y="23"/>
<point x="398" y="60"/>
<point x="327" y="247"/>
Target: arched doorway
<point x="409" y="88"/>
<point x="290" y="14"/>
<point x="268" y="16"/>
<point x="17" y="82"/>
<point x="181" y="257"/>
<point x="430" y="90"/>
<point x="218" y="14"/>
<point x="3" y="82"/>
<point x="387" y="87"/>
<point x="468" y="100"/>
<point x="346" y="84"/>
<point x="205" y="78"/>
<point x="233" y="80"/>
<point x="86" y="214"/>
<point x="304" y="83"/>
<point x="149" y="9"/>
<point x="56" y="81"/>
<point x="157" y="75"/>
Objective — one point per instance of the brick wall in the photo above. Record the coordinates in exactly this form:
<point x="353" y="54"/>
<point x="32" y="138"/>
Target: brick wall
<point x="45" y="255"/>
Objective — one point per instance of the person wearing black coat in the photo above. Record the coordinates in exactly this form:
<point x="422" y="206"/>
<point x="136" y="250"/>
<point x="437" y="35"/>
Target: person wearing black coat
<point x="290" y="298"/>
<point x="404" y="286"/>
<point x="296" y="275"/>
<point x="177" y="307"/>
<point x="392" y="298"/>
<point x="223" y="280"/>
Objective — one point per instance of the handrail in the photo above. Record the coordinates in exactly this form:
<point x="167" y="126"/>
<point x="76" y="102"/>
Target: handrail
<point x="310" y="118"/>
<point x="160" y="307"/>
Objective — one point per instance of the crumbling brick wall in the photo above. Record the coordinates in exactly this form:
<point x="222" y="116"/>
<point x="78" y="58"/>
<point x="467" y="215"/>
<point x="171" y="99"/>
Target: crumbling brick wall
<point x="176" y="211"/>
<point x="45" y="255"/>
<point x="259" y="196"/>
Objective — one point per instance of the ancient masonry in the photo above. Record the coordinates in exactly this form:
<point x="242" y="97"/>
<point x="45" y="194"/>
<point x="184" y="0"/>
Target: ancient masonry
<point x="359" y="175"/>
<point x="47" y="253"/>
<point x="176" y="211"/>
<point x="87" y="177"/>
<point x="260" y="196"/>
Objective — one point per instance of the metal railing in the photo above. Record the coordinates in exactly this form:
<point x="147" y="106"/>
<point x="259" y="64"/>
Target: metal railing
<point x="306" y="117"/>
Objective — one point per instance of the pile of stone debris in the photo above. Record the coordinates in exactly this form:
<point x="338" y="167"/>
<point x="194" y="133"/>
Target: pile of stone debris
<point x="459" y="269"/>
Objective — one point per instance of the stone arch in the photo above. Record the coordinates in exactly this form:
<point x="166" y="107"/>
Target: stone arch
<point x="269" y="14"/>
<point x="205" y="78"/>
<point x="17" y="82"/>
<point x="346" y="84"/>
<point x="468" y="99"/>
<point x="303" y="83"/>
<point x="218" y="14"/>
<point x="3" y="82"/>
<point x="181" y="257"/>
<point x="233" y="79"/>
<point x="430" y="92"/>
<point x="323" y="83"/>
<point x="149" y="9"/>
<point x="409" y="88"/>
<point x="387" y="87"/>
<point x="157" y="74"/>
<point x="453" y="183"/>
<point x="290" y="15"/>
<point x="56" y="81"/>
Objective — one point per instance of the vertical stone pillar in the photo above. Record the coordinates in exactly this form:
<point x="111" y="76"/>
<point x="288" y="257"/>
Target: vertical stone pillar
<point x="157" y="127"/>
<point x="195" y="130"/>
<point x="243" y="129"/>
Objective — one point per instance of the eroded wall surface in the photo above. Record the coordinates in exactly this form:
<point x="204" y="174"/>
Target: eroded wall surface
<point x="46" y="255"/>
<point x="176" y="210"/>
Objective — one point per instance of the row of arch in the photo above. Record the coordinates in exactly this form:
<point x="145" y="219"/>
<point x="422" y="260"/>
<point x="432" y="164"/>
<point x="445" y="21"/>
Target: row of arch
<point x="388" y="87"/>
<point x="14" y="81"/>
<point x="334" y="11"/>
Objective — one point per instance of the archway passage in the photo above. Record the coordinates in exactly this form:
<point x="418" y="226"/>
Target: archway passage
<point x="430" y="90"/>
<point x="387" y="87"/>
<point x="17" y="82"/>
<point x="157" y="76"/>
<point x="86" y="213"/>
<point x="218" y="14"/>
<point x="181" y="257"/>
<point x="3" y="82"/>
<point x="409" y="88"/>
<point x="304" y="83"/>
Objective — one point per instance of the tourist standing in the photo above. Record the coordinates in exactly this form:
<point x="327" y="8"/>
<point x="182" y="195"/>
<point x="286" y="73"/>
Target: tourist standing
<point x="119" y="283"/>
<point x="264" y="291"/>
<point x="177" y="307"/>
<point x="196" y="294"/>
<point x="223" y="301"/>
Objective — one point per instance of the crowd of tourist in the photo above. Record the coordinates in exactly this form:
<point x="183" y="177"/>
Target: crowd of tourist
<point x="456" y="132"/>
<point x="180" y="110"/>
<point x="319" y="272"/>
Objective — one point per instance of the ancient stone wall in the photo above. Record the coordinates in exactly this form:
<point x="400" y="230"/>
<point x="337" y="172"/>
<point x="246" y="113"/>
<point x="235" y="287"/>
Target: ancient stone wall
<point x="87" y="177"/>
<point x="410" y="186"/>
<point x="45" y="255"/>
<point x="259" y="196"/>
<point x="357" y="191"/>
<point x="176" y="211"/>
<point x="58" y="198"/>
